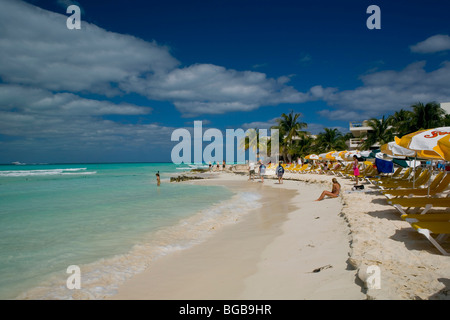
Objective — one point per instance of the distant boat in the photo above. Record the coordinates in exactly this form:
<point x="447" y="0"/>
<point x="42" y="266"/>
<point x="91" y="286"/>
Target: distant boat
<point x="17" y="163"/>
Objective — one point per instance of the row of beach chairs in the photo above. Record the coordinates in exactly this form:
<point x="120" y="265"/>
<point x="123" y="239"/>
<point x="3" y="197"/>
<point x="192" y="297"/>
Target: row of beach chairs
<point x="414" y="194"/>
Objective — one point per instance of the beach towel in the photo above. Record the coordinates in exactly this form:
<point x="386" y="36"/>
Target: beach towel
<point x="384" y="166"/>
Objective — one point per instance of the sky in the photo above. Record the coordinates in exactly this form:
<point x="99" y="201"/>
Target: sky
<point x="117" y="88"/>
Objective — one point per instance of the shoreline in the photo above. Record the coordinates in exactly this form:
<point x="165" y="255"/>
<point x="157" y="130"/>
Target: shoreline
<point x="300" y="253"/>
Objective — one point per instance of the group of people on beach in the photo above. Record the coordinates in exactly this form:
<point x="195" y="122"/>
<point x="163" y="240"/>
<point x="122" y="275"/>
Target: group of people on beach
<point x="211" y="166"/>
<point x="252" y="171"/>
<point x="335" y="189"/>
<point x="279" y="171"/>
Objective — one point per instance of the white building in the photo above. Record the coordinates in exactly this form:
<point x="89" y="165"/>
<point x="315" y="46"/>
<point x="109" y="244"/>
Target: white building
<point x="359" y="129"/>
<point x="446" y="106"/>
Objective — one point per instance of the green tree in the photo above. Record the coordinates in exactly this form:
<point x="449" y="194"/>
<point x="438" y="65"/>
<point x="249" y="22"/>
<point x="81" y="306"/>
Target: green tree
<point x="401" y="122"/>
<point x="381" y="133"/>
<point x="289" y="128"/>
<point x="426" y="116"/>
<point x="302" y="146"/>
<point x="330" y="139"/>
<point x="254" y="141"/>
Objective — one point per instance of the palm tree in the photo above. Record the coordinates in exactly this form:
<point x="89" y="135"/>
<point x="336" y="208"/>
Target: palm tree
<point x="381" y="133"/>
<point x="254" y="141"/>
<point x="401" y="122"/>
<point x="427" y="116"/>
<point x="289" y="128"/>
<point x="330" y="139"/>
<point x="302" y="146"/>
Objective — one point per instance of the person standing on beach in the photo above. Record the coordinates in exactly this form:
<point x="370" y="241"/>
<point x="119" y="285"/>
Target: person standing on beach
<point x="280" y="172"/>
<point x="262" y="170"/>
<point x="355" y="168"/>
<point x="158" y="180"/>
<point x="251" y="170"/>
<point x="334" y="191"/>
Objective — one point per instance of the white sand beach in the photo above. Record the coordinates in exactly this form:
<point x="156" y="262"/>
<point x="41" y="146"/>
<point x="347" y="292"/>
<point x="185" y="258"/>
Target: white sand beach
<point x="296" y="248"/>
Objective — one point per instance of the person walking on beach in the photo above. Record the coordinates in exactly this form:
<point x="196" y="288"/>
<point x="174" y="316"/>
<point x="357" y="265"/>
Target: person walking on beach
<point x="336" y="189"/>
<point x="355" y="168"/>
<point x="251" y="170"/>
<point x="262" y="170"/>
<point x="280" y="172"/>
<point x="158" y="180"/>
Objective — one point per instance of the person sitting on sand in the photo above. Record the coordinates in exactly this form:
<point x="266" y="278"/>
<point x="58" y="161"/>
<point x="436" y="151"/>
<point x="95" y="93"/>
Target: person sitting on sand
<point x="334" y="191"/>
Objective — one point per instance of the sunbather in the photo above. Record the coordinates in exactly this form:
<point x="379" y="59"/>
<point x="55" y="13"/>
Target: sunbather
<point x="334" y="191"/>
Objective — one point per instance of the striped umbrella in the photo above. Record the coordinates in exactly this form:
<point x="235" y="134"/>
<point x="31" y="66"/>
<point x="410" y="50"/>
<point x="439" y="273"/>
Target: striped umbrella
<point x="430" y="143"/>
<point x="312" y="157"/>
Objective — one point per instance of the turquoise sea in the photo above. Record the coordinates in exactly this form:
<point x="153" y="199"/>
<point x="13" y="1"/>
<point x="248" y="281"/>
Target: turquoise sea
<point x="110" y="220"/>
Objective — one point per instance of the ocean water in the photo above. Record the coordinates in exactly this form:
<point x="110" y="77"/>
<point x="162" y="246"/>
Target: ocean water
<point x="110" y="220"/>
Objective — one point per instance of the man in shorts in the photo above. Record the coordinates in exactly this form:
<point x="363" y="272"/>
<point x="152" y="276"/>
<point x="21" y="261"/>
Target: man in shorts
<point x="251" y="170"/>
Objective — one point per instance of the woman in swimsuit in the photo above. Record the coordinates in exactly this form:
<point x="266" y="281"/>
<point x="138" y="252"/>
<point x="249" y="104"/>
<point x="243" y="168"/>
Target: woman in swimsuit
<point x="334" y="191"/>
<point x="355" y="168"/>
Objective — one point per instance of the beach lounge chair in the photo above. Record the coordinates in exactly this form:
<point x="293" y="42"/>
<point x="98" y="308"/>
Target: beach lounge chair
<point x="439" y="228"/>
<point x="384" y="177"/>
<point x="311" y="169"/>
<point x="439" y="184"/>
<point x="415" y="182"/>
<point x="404" y="176"/>
<point x="336" y="169"/>
<point x="300" y="169"/>
<point x="419" y="202"/>
<point x="413" y="218"/>
<point x="431" y="224"/>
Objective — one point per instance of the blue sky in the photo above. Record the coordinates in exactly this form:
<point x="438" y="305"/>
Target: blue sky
<point x="137" y="70"/>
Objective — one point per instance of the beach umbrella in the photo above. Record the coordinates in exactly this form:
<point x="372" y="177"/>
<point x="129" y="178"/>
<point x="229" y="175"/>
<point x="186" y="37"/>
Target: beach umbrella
<point x="327" y="155"/>
<point x="429" y="144"/>
<point x="349" y="155"/>
<point x="312" y="157"/>
<point x="393" y="149"/>
<point x="341" y="154"/>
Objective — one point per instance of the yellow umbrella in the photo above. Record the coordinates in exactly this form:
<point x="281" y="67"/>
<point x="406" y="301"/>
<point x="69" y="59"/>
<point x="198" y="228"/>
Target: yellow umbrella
<point x="312" y="157"/>
<point x="332" y="156"/>
<point x="430" y="143"/>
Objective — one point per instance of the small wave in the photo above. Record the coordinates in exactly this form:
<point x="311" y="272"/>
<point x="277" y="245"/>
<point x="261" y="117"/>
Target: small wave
<point x="46" y="172"/>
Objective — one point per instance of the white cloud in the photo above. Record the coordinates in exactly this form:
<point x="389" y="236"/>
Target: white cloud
<point x="36" y="48"/>
<point x="387" y="91"/>
<point x="260" y="124"/>
<point x="211" y="89"/>
<point x="45" y="69"/>
<point x="32" y="100"/>
<point x="436" y="43"/>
